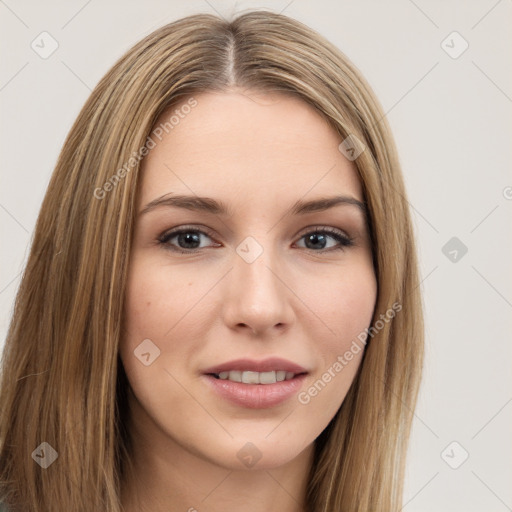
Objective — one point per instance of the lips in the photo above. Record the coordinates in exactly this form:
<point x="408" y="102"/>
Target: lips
<point x="249" y="365"/>
<point x="255" y="384"/>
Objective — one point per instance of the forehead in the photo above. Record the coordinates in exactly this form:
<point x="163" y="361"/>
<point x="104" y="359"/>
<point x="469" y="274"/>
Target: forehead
<point x="242" y="142"/>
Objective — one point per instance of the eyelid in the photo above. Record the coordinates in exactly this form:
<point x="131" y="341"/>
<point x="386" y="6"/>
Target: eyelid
<point x="328" y="229"/>
<point x="176" y="231"/>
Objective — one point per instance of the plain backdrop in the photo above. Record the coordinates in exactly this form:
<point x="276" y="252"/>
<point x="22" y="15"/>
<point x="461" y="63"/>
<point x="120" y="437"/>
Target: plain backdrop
<point x="449" y="107"/>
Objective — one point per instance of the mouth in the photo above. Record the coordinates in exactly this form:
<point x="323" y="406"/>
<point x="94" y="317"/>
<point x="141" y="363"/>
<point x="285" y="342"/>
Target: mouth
<point x="255" y="384"/>
<point x="250" y="377"/>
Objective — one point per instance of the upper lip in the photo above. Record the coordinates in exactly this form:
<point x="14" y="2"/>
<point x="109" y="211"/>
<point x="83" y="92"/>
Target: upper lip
<point x="251" y="365"/>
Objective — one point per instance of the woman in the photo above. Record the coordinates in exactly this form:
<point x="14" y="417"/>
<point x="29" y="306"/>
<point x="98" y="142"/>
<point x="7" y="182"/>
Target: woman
<point x="221" y="305"/>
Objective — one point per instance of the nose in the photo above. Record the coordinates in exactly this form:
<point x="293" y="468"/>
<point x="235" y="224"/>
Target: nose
<point x="258" y="298"/>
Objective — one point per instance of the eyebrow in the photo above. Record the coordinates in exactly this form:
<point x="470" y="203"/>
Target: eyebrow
<point x="212" y="206"/>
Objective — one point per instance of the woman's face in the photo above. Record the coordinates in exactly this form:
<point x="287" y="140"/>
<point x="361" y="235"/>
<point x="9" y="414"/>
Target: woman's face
<point x="255" y="295"/>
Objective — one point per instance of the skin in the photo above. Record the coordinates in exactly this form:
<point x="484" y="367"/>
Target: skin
<point x="259" y="154"/>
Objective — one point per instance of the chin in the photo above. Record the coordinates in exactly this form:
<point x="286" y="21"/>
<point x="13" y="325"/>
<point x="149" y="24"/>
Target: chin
<point x="253" y="453"/>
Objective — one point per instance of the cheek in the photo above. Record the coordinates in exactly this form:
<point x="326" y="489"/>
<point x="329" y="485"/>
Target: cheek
<point x="167" y="306"/>
<point x="346" y="310"/>
<point x="154" y="303"/>
<point x="157" y="302"/>
<point x="152" y="308"/>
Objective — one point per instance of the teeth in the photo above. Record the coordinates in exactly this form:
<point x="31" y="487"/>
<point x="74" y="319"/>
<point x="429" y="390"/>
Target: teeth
<point x="235" y="376"/>
<point x="256" y="377"/>
<point x="250" y="378"/>
<point x="267" y="377"/>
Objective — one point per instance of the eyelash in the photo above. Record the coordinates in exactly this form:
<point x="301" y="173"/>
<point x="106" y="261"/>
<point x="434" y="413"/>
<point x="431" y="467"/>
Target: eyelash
<point x="344" y="241"/>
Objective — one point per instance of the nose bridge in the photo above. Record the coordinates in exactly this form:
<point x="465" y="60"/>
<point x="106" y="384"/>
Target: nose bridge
<point x="258" y="296"/>
<point x="253" y="264"/>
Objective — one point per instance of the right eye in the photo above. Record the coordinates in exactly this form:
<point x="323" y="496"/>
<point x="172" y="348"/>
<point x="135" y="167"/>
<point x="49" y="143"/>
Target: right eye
<point x="188" y="239"/>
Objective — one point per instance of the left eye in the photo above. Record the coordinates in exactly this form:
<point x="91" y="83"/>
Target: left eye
<point x="320" y="236"/>
<point x="189" y="240"/>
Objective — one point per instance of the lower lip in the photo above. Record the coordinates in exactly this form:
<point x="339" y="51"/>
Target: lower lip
<point x="255" y="396"/>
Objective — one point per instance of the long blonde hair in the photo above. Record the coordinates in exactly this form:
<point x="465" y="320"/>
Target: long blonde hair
<point x="62" y="381"/>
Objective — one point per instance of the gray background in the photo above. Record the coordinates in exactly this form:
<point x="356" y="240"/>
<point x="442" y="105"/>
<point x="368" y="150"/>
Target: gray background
<point x="451" y="117"/>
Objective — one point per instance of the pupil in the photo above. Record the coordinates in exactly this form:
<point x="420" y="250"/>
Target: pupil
<point x="188" y="238"/>
<point x="315" y="238"/>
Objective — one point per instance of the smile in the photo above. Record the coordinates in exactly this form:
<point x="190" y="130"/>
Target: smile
<point x="249" y="377"/>
<point x="254" y="384"/>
